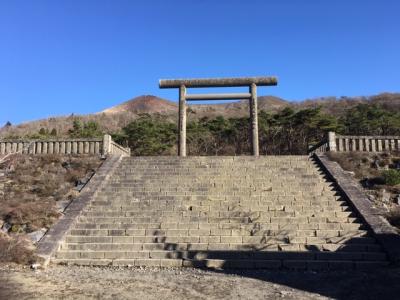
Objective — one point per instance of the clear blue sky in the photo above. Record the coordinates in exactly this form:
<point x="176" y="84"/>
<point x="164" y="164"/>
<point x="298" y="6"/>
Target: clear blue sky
<point x="59" y="57"/>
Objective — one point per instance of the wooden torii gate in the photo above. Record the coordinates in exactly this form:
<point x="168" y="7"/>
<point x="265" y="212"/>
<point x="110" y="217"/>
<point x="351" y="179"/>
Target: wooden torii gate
<point x="251" y="82"/>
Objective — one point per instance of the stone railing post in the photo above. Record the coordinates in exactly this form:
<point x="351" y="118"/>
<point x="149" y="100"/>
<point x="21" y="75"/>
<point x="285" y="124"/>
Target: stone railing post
<point x="332" y="141"/>
<point x="106" y="144"/>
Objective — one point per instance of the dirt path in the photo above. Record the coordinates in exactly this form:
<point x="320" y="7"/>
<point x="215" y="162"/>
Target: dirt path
<point x="60" y="282"/>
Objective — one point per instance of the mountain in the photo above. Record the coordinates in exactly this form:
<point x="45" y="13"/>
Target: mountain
<point x="148" y="104"/>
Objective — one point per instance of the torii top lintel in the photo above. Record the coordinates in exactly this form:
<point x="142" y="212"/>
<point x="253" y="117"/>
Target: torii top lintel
<point x="217" y="82"/>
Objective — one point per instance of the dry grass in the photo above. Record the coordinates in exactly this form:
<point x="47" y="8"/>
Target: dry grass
<point x="362" y="164"/>
<point x="31" y="189"/>
<point x="365" y="165"/>
<point x="369" y="169"/>
<point x="34" y="184"/>
<point x="16" y="249"/>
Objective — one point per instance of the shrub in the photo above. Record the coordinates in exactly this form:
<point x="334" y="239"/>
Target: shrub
<point x="43" y="131"/>
<point x="391" y="177"/>
<point x="17" y="250"/>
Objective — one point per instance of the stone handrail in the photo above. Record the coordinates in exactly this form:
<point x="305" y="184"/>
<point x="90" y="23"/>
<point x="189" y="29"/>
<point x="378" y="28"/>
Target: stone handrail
<point x="25" y="149"/>
<point x="321" y="147"/>
<point x="53" y="146"/>
<point x="118" y="149"/>
<point x="93" y="146"/>
<point x="352" y="143"/>
<point x="112" y="148"/>
<point x="347" y="143"/>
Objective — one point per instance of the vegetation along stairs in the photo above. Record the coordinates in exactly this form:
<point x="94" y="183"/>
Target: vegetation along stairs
<point x="220" y="212"/>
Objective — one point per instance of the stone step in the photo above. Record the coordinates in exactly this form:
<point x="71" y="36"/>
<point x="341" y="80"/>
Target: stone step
<point x="215" y="164"/>
<point x="279" y="203"/>
<point x="265" y="166"/>
<point x="232" y="264"/>
<point x="234" y="220"/>
<point x="207" y="212"/>
<point x="235" y="202"/>
<point x="231" y="226"/>
<point x="224" y="241"/>
<point x="219" y="174"/>
<point x="266" y="239"/>
<point x="219" y="177"/>
<point x="216" y="208"/>
<point x="222" y="200"/>
<point x="211" y="187"/>
<point x="250" y="193"/>
<point x="247" y="169"/>
<point x="352" y="247"/>
<point x="208" y="180"/>
<point x="224" y="255"/>
<point x="138" y="233"/>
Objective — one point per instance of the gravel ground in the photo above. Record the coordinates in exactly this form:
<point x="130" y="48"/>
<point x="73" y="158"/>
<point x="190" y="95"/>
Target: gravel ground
<point x="60" y="282"/>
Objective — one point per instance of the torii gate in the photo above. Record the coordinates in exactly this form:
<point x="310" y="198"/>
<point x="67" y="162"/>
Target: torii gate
<point x="251" y="82"/>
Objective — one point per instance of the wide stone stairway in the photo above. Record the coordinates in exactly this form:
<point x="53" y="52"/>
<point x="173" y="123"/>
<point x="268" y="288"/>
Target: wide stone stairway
<point x="220" y="212"/>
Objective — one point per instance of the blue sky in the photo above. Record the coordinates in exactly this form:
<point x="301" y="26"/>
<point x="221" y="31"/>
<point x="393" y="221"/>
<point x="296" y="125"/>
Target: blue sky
<point x="62" y="57"/>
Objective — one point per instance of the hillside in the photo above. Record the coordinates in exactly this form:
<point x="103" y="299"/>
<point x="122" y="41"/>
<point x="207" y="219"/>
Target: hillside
<point x="144" y="104"/>
<point x="114" y="118"/>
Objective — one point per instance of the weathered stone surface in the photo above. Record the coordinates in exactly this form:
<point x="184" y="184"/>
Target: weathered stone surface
<point x="36" y="235"/>
<point x="217" y="212"/>
<point x="6" y="227"/>
<point x="386" y="234"/>
<point x="62" y="205"/>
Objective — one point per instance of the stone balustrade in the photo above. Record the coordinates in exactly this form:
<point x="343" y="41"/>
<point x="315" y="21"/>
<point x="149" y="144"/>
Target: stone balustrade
<point x="352" y="143"/>
<point x="367" y="143"/>
<point x="93" y="146"/>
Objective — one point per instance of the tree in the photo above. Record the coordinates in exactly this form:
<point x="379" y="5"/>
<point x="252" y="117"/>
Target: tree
<point x="43" y="132"/>
<point x="147" y="136"/>
<point x="288" y="131"/>
<point x="53" y="132"/>
<point x="85" y="130"/>
<point x="371" y="119"/>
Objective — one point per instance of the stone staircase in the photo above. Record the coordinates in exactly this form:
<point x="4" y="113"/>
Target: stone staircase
<point x="220" y="212"/>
